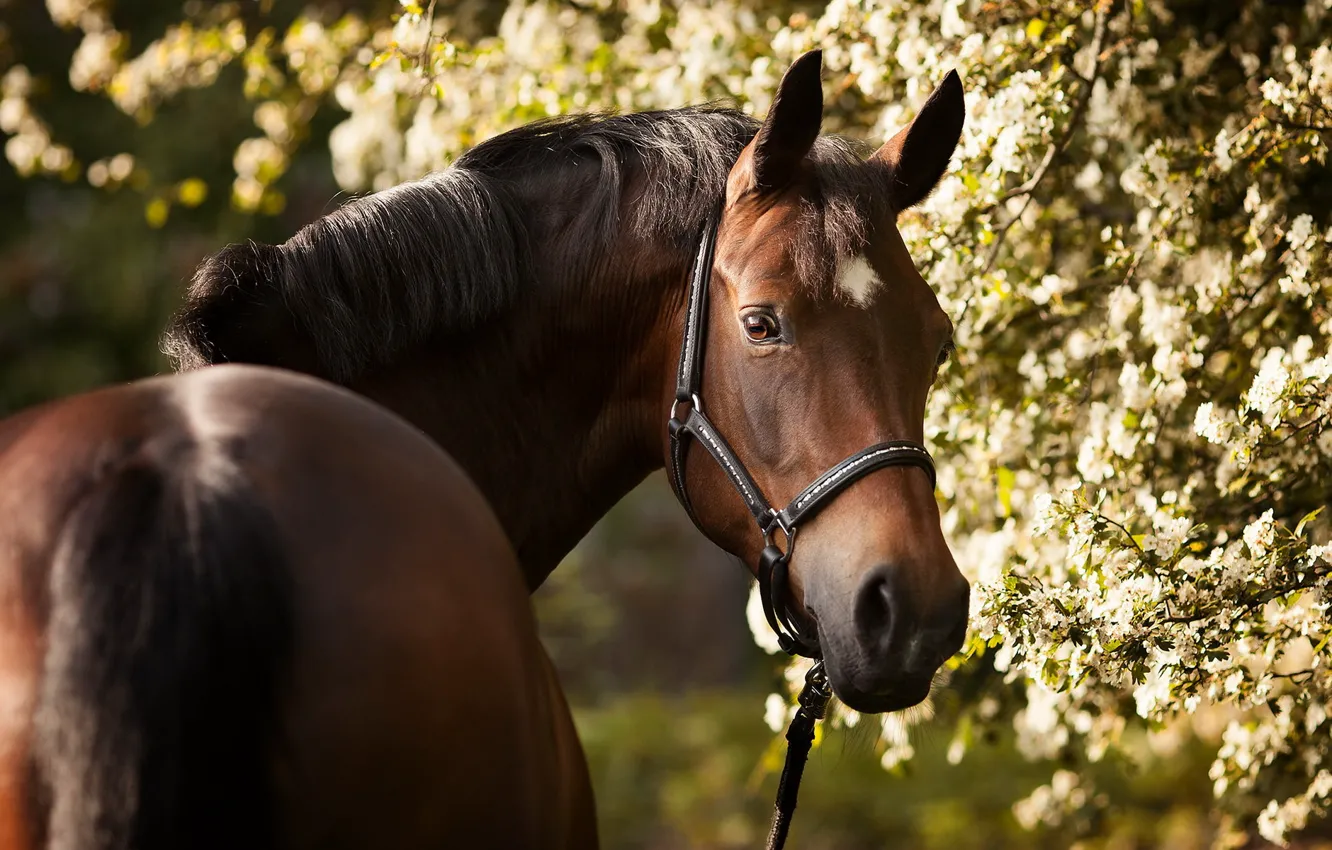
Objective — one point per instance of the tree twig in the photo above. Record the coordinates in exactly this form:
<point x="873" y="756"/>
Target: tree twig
<point x="430" y="34"/>
<point x="1075" y="119"/>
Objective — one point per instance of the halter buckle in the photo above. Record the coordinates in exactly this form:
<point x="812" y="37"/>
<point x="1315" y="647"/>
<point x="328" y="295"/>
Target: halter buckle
<point x="773" y="523"/>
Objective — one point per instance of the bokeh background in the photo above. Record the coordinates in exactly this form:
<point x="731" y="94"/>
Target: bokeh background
<point x="645" y="620"/>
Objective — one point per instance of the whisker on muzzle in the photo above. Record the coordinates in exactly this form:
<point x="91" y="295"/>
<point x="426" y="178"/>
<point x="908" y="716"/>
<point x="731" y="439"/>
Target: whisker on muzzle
<point x="942" y="677"/>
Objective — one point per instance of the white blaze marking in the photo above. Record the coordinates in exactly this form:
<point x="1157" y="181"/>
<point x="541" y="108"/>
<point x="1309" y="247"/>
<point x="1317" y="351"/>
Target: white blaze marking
<point x="857" y="279"/>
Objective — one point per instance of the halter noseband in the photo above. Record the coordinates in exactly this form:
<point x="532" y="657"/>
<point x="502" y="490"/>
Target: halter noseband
<point x="687" y="419"/>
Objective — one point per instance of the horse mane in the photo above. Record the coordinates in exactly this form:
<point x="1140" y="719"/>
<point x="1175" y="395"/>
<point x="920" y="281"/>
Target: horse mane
<point x="442" y="254"/>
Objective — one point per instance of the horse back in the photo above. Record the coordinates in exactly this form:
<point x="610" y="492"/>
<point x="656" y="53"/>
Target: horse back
<point x="344" y="618"/>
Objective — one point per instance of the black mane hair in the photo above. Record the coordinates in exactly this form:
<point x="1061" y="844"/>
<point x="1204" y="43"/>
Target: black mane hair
<point x="441" y="254"/>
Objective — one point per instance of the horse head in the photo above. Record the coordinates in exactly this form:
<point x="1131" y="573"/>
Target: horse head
<point x="817" y="338"/>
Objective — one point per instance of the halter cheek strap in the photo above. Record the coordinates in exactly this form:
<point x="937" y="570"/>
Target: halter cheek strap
<point x="688" y="419"/>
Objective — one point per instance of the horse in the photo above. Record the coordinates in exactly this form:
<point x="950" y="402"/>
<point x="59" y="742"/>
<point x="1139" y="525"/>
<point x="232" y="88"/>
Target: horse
<point x="243" y="607"/>
<point x="525" y="308"/>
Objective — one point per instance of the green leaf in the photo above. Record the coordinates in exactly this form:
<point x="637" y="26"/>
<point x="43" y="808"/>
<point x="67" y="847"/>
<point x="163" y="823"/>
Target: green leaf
<point x="1308" y="518"/>
<point x="1050" y="670"/>
<point x="1006" y="480"/>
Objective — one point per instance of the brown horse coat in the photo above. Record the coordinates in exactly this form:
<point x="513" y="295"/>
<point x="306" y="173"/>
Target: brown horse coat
<point x="241" y="574"/>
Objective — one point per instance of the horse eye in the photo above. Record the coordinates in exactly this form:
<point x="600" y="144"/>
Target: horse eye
<point x="761" y="327"/>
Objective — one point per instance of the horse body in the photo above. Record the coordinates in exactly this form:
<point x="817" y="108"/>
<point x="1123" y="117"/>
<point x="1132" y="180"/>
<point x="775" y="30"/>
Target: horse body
<point x="245" y="608"/>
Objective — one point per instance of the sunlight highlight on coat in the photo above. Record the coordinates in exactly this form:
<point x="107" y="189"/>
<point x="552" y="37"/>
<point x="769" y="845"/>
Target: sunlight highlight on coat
<point x="857" y="278"/>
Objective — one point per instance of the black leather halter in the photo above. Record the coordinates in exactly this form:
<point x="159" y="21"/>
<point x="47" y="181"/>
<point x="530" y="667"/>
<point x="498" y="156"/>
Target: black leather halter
<point x="687" y="419"/>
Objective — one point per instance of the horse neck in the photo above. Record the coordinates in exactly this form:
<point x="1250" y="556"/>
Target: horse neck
<point x="556" y="410"/>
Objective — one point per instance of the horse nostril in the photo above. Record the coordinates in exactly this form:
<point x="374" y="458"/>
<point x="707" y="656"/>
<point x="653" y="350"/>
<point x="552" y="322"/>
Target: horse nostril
<point x="875" y="609"/>
<point x="909" y="632"/>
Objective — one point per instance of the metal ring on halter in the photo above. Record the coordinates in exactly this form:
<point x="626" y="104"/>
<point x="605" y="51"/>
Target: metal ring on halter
<point x="693" y="401"/>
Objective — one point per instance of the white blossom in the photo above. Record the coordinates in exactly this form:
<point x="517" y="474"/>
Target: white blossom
<point x="1208" y="424"/>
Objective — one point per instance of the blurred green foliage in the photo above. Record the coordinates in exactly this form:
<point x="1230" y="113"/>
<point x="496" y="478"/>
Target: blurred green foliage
<point x="86" y="281"/>
<point x="676" y="772"/>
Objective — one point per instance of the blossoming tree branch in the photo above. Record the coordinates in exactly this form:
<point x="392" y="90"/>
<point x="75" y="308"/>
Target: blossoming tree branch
<point x="1134" y="442"/>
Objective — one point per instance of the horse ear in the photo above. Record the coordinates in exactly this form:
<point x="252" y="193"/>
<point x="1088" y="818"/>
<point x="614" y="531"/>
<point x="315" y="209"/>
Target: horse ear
<point x="772" y="160"/>
<point x="918" y="155"/>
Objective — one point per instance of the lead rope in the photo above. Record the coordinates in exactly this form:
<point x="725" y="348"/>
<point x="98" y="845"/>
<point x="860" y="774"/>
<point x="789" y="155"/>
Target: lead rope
<point x="813" y="701"/>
